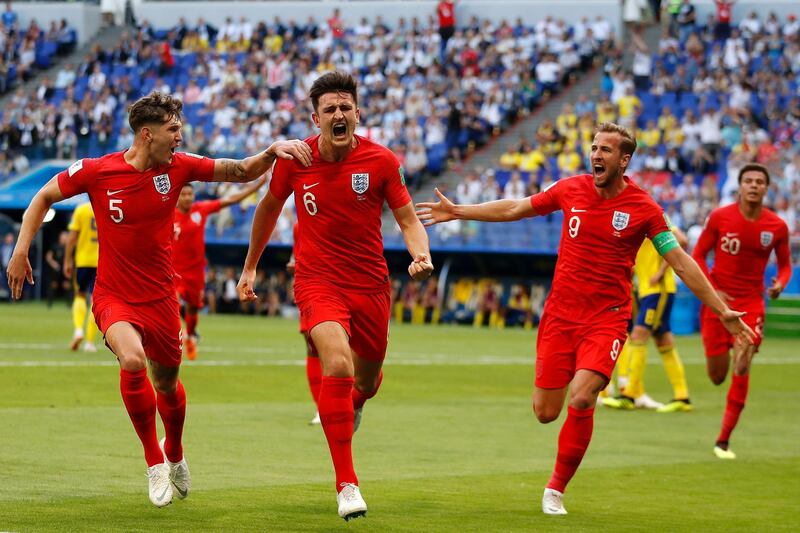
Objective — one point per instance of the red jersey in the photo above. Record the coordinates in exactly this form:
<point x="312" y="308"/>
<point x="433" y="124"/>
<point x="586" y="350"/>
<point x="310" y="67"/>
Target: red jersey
<point x="339" y="208"/>
<point x="599" y="241"/>
<point x="447" y="14"/>
<point x="724" y="11"/>
<point x="189" y="238"/>
<point x="741" y="250"/>
<point x="134" y="212"/>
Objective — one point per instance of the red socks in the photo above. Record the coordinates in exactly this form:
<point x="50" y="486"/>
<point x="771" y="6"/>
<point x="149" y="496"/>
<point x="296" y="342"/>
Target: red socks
<point x="359" y="398"/>
<point x="140" y="401"/>
<point x="572" y="443"/>
<point x="737" y="395"/>
<point x="314" y="375"/>
<point x="191" y="322"/>
<point x="172" y="409"/>
<point x="336" y="412"/>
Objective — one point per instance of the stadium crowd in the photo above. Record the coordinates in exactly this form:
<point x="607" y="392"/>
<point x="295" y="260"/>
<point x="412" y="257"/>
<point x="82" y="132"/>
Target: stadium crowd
<point x="245" y="84"/>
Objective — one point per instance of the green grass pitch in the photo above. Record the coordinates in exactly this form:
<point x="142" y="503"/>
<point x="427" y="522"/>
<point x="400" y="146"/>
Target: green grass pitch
<point x="449" y="444"/>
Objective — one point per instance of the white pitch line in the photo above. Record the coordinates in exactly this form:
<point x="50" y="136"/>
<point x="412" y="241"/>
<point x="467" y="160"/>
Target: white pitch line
<point x="451" y="361"/>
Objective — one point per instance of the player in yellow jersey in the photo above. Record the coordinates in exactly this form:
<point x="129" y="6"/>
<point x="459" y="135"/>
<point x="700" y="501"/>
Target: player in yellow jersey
<point x="656" y="292"/>
<point x="81" y="256"/>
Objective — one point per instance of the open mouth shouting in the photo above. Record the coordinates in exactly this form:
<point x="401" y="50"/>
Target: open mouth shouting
<point x="339" y="131"/>
<point x="599" y="170"/>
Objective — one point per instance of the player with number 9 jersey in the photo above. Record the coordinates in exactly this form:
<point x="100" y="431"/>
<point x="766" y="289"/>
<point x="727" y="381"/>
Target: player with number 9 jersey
<point x="583" y="327"/>
<point x="607" y="234"/>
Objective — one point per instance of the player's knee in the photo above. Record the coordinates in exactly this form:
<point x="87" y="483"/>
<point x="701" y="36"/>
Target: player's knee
<point x="582" y="400"/>
<point x="165" y="385"/>
<point x="338" y="366"/>
<point x="545" y="413"/>
<point x="717" y="378"/>
<point x="131" y="359"/>
<point x="368" y="387"/>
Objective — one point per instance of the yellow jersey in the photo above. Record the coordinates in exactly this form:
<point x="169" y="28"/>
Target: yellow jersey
<point x="648" y="261"/>
<point x="86" y="249"/>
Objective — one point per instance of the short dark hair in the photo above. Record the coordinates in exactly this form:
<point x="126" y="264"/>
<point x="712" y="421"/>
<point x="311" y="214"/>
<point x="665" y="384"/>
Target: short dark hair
<point x="749" y="167"/>
<point x="333" y="82"/>
<point x="628" y="144"/>
<point x="155" y="108"/>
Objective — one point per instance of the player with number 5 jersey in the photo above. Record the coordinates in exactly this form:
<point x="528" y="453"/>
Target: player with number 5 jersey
<point x="743" y="236"/>
<point x="133" y="195"/>
<point x="584" y="324"/>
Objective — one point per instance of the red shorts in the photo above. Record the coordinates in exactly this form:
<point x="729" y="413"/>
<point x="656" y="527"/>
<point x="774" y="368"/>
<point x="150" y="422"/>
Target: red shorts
<point x="364" y="316"/>
<point x="191" y="289"/>
<point x="564" y="347"/>
<point x="717" y="340"/>
<point x="158" y="322"/>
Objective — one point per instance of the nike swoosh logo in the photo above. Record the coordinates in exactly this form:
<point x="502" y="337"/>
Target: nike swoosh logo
<point x="578" y="210"/>
<point x="183" y="493"/>
<point x="112" y="193"/>
<point x="306" y="187"/>
<point x="163" y="493"/>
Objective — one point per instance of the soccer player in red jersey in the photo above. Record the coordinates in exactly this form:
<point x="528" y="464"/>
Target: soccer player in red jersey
<point x="583" y="327"/>
<point x="313" y="366"/>
<point x="133" y="195"/>
<point x="743" y="236"/>
<point x="341" y="281"/>
<point x="189" y="252"/>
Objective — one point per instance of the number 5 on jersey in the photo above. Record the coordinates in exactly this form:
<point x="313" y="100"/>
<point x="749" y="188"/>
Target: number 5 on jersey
<point x="115" y="210"/>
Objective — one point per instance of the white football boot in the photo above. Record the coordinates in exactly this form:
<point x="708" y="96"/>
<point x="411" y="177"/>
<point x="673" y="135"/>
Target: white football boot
<point x="553" y="502"/>
<point x="351" y="504"/>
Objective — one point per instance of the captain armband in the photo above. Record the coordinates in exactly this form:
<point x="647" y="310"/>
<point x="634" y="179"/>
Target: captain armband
<point x="664" y="242"/>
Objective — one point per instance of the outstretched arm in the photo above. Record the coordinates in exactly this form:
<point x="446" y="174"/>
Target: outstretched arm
<point x="264" y="219"/>
<point x="238" y="196"/>
<point x="693" y="276"/>
<point x="416" y="239"/>
<point x="250" y="168"/>
<point x="19" y="267"/>
<point x="431" y="213"/>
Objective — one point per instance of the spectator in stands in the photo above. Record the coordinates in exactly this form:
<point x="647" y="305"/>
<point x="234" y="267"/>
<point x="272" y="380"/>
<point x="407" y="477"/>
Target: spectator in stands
<point x="491" y="189"/>
<point x="415" y="164"/>
<point x="549" y="73"/>
<point x="750" y="26"/>
<point x="654" y="161"/>
<point x="514" y="188"/>
<point x="10" y="18"/>
<point x="67" y="143"/>
<point x="722" y="28"/>
<point x="687" y="19"/>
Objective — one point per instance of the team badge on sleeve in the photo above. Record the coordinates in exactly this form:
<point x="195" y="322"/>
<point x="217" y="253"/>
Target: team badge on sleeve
<point x="620" y="220"/>
<point x="766" y="238"/>
<point x="162" y="183"/>
<point x="361" y="183"/>
<point x="75" y="167"/>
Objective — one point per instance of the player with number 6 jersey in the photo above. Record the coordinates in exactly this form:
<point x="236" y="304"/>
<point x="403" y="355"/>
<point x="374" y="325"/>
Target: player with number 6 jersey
<point x="583" y="327"/>
<point x="133" y="194"/>
<point x="743" y="236"/>
<point x="341" y="279"/>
